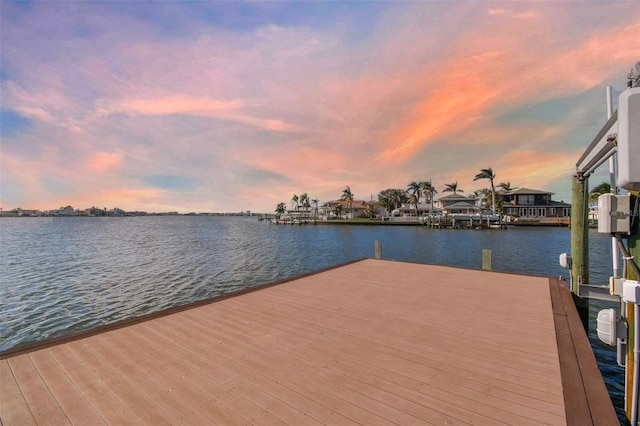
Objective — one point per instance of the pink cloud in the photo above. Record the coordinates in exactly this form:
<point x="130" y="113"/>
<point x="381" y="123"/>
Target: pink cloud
<point x="105" y="161"/>
<point x="536" y="169"/>
<point x="309" y="103"/>
<point x="489" y="72"/>
<point x="232" y="110"/>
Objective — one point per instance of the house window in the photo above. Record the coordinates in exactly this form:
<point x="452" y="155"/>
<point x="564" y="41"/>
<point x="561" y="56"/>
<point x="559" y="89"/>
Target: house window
<point x="525" y="199"/>
<point x="566" y="212"/>
<point x="522" y="212"/>
<point x="552" y="211"/>
<point x="532" y="212"/>
<point x="542" y="212"/>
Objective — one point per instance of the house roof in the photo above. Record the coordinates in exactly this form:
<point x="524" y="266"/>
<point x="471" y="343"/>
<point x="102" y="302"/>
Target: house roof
<point x="461" y="205"/>
<point x="457" y="197"/>
<point x="356" y="203"/>
<point x="558" y="204"/>
<point x="526" y="191"/>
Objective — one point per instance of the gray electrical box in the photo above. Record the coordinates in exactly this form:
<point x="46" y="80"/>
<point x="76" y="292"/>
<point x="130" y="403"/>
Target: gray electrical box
<point x="613" y="214"/>
<point x="629" y="139"/>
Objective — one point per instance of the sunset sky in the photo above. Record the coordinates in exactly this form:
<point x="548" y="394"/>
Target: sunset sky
<point x="228" y="106"/>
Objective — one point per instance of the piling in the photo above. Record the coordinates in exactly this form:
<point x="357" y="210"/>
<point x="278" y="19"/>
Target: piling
<point x="486" y="259"/>
<point x="580" y="244"/>
<point x="378" y="249"/>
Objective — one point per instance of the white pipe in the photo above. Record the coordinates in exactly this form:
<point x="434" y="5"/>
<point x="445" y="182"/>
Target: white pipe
<point x="636" y="367"/>
<point x="615" y="253"/>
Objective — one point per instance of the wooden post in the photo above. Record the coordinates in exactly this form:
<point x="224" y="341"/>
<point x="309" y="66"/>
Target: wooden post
<point x="486" y="259"/>
<point x="580" y="245"/>
<point x="378" y="249"/>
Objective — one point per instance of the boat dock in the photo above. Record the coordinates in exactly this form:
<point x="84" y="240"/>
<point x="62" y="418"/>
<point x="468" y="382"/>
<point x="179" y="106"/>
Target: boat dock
<point x="369" y="342"/>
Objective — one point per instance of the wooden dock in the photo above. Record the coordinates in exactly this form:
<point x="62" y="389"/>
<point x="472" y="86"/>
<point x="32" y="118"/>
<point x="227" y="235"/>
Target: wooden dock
<point x="371" y="342"/>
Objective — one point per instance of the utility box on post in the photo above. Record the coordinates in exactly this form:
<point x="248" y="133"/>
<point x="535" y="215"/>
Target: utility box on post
<point x="629" y="139"/>
<point x="613" y="214"/>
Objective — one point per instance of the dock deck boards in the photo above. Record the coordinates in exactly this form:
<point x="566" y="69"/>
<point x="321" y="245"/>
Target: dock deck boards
<point x="371" y="342"/>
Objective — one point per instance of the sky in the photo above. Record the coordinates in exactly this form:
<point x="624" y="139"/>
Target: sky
<point x="202" y="106"/>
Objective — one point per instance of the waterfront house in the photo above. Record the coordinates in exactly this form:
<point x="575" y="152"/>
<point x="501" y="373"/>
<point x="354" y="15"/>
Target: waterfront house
<point x="461" y="208"/>
<point x="340" y="209"/>
<point x="456" y="203"/>
<point x="533" y="205"/>
<point x="420" y="209"/>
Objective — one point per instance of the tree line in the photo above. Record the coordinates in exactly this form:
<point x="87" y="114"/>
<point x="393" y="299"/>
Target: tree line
<point x="392" y="198"/>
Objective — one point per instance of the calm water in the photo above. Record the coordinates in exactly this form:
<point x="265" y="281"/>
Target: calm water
<point x="59" y="275"/>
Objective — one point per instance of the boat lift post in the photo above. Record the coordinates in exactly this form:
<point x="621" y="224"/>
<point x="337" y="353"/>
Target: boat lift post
<point x="618" y="215"/>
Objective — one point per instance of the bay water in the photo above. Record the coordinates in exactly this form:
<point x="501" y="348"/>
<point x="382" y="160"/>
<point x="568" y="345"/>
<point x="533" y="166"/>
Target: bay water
<point x="59" y="275"/>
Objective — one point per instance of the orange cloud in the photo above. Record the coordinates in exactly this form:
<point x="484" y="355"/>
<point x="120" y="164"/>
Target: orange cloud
<point x="105" y="161"/>
<point x="459" y="101"/>
<point x="536" y="169"/>
<point x="488" y="72"/>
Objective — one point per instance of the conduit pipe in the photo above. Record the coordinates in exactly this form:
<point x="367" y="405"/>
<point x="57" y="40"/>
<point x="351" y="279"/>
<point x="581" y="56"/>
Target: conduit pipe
<point x="636" y="367"/>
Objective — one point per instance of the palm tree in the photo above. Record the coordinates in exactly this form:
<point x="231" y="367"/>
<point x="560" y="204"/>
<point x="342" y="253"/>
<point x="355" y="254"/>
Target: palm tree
<point x="370" y="210"/>
<point x="415" y="189"/>
<point x="452" y="187"/>
<point x="603" y="188"/>
<point x="338" y="210"/>
<point x="429" y="192"/>
<point x="280" y="209"/>
<point x="488" y="174"/>
<point x="506" y="186"/>
<point x="304" y="201"/>
<point x="315" y="202"/>
<point x="295" y="201"/>
<point x="347" y="197"/>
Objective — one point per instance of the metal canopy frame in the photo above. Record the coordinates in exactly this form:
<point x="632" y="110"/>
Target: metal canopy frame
<point x="602" y="147"/>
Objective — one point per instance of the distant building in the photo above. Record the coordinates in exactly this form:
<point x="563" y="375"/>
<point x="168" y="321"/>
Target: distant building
<point x="456" y="203"/>
<point x="532" y="204"/>
<point x="338" y="208"/>
<point x="419" y="209"/>
<point x="19" y="212"/>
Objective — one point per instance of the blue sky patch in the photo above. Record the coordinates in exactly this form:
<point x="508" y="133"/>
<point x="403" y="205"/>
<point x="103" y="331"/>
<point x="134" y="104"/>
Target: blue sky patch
<point x="553" y="110"/>
<point x="171" y="183"/>
<point x="12" y="123"/>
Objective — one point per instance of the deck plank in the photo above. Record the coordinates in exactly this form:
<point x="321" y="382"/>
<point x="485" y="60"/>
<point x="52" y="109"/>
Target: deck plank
<point x="71" y="399"/>
<point x="108" y="383"/>
<point x="42" y="404"/>
<point x="594" y="387"/>
<point x="371" y="342"/>
<point x="14" y="408"/>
